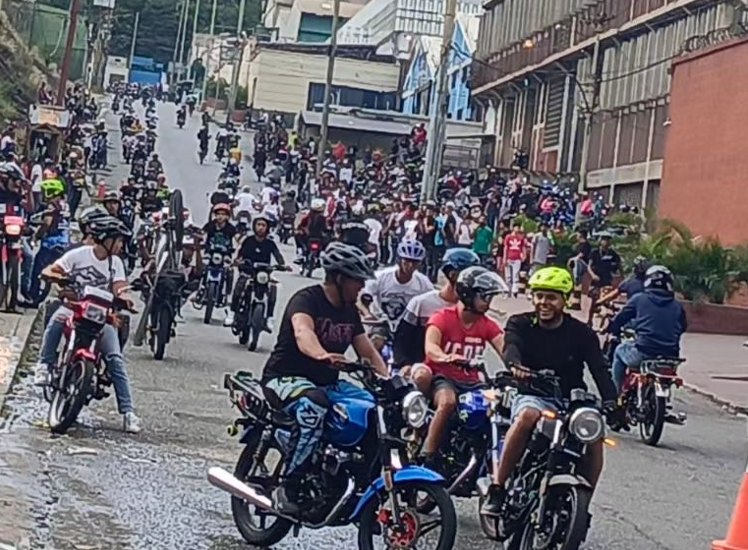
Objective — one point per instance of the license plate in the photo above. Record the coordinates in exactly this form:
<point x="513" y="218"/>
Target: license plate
<point x="662" y="391"/>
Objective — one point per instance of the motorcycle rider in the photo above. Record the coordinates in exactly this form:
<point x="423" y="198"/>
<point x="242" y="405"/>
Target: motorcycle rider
<point x="111" y="203"/>
<point x="395" y="286"/>
<point x="232" y="169"/>
<point x="99" y="266"/>
<point x="155" y="165"/>
<point x="658" y="318"/>
<point x="311" y="226"/>
<point x="632" y="286"/>
<point x="203" y="136"/>
<point x="411" y="332"/>
<point x="548" y="338"/>
<point x="457" y="334"/>
<point x="245" y="201"/>
<point x="219" y="234"/>
<point x="256" y="248"/>
<point x="319" y="324"/>
<point x="149" y="201"/>
<point x="181" y="115"/>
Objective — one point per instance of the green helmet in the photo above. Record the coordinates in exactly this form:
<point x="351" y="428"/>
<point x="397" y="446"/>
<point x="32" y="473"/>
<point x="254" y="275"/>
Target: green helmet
<point x="552" y="278"/>
<point x="52" y="188"/>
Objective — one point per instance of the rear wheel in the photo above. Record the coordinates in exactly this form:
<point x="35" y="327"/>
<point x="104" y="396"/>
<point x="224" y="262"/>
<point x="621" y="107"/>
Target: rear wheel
<point x="653" y="421"/>
<point x="73" y="389"/>
<point x="162" y="333"/>
<point x="210" y="302"/>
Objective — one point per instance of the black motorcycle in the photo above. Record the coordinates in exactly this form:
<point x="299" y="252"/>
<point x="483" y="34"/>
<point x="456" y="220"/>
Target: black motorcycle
<point x="212" y="291"/>
<point x="285" y="231"/>
<point x="547" y="501"/>
<point x="251" y="318"/>
<point x="181" y="118"/>
<point x="167" y="299"/>
<point x="202" y="153"/>
<point x="311" y="258"/>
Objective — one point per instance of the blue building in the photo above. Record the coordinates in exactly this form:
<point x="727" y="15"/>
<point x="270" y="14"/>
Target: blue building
<point x="420" y="75"/>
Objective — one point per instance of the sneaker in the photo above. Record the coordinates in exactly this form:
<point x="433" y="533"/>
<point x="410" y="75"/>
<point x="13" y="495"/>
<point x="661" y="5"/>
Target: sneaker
<point x="284" y="500"/>
<point x="132" y="423"/>
<point x="41" y="375"/>
<point x="270" y="324"/>
<point x="494" y="501"/>
<point x="229" y="320"/>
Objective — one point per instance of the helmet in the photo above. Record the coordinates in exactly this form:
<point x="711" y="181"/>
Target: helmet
<point x="478" y="281"/>
<point x="556" y="279"/>
<point x="318" y="205"/>
<point x="291" y="194"/>
<point x="641" y="265"/>
<point x="52" y="188"/>
<point x="347" y="260"/>
<point x="221" y="207"/>
<point x="411" y="249"/>
<point x="109" y="227"/>
<point x="90" y="216"/>
<point x="658" y="277"/>
<point x="457" y="259"/>
<point x="358" y="209"/>
<point x="260" y="218"/>
<point x="110" y="196"/>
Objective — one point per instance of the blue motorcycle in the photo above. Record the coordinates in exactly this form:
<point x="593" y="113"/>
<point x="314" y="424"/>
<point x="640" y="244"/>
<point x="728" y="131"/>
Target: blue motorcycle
<point x="360" y="476"/>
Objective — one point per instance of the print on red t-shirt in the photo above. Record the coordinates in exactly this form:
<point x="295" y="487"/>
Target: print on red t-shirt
<point x="469" y="342"/>
<point x="515" y="246"/>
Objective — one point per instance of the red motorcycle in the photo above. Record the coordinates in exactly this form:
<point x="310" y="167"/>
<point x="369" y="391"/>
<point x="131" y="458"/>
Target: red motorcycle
<point x="11" y="256"/>
<point x="80" y="375"/>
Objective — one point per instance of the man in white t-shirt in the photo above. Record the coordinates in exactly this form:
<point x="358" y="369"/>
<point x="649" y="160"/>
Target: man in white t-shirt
<point x="394" y="287"/>
<point x="97" y="266"/>
<point x="245" y="201"/>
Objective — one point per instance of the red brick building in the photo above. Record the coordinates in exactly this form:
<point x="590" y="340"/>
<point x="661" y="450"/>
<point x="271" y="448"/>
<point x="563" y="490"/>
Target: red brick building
<point x="705" y="173"/>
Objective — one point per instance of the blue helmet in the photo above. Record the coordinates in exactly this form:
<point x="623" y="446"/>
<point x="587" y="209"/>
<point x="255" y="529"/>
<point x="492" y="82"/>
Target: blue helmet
<point x="457" y="259"/>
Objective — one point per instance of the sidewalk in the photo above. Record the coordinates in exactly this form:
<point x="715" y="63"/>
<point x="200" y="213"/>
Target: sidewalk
<point x="716" y="366"/>
<point x="14" y="332"/>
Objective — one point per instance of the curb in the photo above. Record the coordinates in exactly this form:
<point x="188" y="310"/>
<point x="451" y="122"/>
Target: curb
<point x="731" y="407"/>
<point x="29" y="327"/>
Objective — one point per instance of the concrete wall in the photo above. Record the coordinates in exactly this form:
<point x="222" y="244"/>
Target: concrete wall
<point x="704" y="174"/>
<point x="279" y="80"/>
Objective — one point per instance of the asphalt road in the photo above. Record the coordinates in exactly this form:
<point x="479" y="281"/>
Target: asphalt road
<point x="98" y="488"/>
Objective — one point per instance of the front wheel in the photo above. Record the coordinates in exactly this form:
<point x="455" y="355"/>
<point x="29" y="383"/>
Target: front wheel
<point x="71" y="393"/>
<point x="257" y="325"/>
<point x="653" y="420"/>
<point x="162" y="333"/>
<point x="567" y="529"/>
<point x="435" y="531"/>
<point x="210" y="302"/>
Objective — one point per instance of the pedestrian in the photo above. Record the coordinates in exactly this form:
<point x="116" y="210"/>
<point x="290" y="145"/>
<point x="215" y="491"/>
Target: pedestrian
<point x="604" y="265"/>
<point x="515" y="253"/>
<point x="482" y="240"/>
<point x="542" y="242"/>
<point x="465" y="234"/>
<point x="578" y="262"/>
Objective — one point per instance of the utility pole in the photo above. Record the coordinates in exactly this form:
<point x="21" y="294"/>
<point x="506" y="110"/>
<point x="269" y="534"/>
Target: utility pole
<point x="324" y="126"/>
<point x="134" y="37"/>
<point x="209" y="57"/>
<point x="182" y="16"/>
<point x="588" y="116"/>
<point x="237" y="62"/>
<point x="67" y="58"/>
<point x="193" y="49"/>
<point x="438" y="114"/>
<point x="184" y="35"/>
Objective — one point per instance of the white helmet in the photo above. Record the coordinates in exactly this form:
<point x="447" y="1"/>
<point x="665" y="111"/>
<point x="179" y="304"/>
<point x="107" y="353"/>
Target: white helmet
<point x="358" y="209"/>
<point x="318" y="205"/>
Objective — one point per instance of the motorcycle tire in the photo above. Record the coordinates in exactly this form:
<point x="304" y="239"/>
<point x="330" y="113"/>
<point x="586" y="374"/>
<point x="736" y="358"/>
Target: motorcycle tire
<point x="210" y="302"/>
<point x="14" y="271"/>
<point x="176" y="211"/>
<point x="651" y="427"/>
<point x="244" y="334"/>
<point x="162" y="333"/>
<point x="256" y="536"/>
<point x="578" y="519"/>
<point x="369" y="526"/>
<point x="64" y="408"/>
<point x="257" y="325"/>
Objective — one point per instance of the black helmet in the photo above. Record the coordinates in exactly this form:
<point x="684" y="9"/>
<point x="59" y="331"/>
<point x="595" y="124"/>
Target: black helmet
<point x="658" y="277"/>
<point x="347" y="260"/>
<point x="457" y="259"/>
<point x="111" y="196"/>
<point x="641" y="265"/>
<point x="109" y="228"/>
<point x="478" y="281"/>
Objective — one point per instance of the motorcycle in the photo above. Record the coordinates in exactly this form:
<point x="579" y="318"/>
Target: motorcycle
<point x="251" y="319"/>
<point x="285" y="231"/>
<point x="360" y="476"/>
<point x="181" y="118"/>
<point x="547" y="500"/>
<point x="211" y="292"/>
<point x="202" y="153"/>
<point x="231" y="185"/>
<point x="647" y="398"/>
<point x="167" y="299"/>
<point x="243" y="222"/>
<point x="311" y="259"/>
<point x="80" y="375"/>
<point x="11" y="256"/>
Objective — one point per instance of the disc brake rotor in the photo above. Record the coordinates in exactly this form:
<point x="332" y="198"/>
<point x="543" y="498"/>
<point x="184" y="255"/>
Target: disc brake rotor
<point x="403" y="536"/>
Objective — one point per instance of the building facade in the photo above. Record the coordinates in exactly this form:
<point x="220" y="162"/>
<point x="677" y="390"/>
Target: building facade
<point x="583" y="86"/>
<point x="421" y="71"/>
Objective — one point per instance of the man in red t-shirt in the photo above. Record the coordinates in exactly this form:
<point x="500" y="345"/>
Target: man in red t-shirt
<point x="515" y="252"/>
<point x="454" y="336"/>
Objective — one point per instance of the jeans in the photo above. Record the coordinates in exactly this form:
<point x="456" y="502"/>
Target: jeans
<point x="511" y="274"/>
<point x="434" y="256"/>
<point x="626" y="356"/>
<point x="579" y="268"/>
<point x="108" y="345"/>
<point x="43" y="258"/>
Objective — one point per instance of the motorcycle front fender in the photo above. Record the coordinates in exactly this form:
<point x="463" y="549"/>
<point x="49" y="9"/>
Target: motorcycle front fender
<point x="409" y="473"/>
<point x="569" y="479"/>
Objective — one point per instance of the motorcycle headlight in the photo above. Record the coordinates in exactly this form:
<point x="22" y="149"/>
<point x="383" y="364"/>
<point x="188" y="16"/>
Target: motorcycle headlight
<point x="587" y="425"/>
<point x="262" y="278"/>
<point x="95" y="314"/>
<point x="415" y="409"/>
<point x="217" y="259"/>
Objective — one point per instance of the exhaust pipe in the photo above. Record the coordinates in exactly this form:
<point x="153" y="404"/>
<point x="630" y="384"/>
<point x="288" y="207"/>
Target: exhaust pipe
<point x="218" y="477"/>
<point x="469" y="469"/>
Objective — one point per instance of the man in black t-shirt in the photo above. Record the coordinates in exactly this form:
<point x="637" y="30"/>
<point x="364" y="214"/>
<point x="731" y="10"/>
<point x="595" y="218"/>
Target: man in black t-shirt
<point x="220" y="232"/>
<point x="256" y="249"/>
<point x="578" y="262"/>
<point x="319" y="324"/>
<point x="604" y="264"/>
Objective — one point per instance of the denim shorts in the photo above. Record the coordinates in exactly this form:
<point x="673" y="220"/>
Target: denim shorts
<point x="522" y="402"/>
